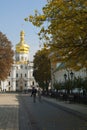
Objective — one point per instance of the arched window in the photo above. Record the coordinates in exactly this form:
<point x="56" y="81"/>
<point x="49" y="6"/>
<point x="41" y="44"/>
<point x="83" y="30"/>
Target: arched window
<point x="9" y="83"/>
<point x="21" y="66"/>
<point x="17" y="75"/>
<point x="25" y="75"/>
<point x="22" y="58"/>
<point x="25" y="67"/>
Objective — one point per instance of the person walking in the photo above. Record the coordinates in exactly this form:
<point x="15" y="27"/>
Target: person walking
<point x="39" y="94"/>
<point x="34" y="91"/>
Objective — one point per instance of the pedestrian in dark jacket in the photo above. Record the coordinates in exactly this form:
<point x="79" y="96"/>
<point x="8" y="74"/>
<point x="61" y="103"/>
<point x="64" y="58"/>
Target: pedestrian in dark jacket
<point x="34" y="91"/>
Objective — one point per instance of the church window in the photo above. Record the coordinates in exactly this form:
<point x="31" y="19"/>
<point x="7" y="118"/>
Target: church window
<point x="33" y="83"/>
<point x="25" y="67"/>
<point x="9" y="82"/>
<point x="17" y="58"/>
<point x="22" y="58"/>
<point x="16" y="75"/>
<point x="21" y="66"/>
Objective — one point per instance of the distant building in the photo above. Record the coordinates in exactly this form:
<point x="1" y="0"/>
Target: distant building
<point x="58" y="72"/>
<point x="21" y="75"/>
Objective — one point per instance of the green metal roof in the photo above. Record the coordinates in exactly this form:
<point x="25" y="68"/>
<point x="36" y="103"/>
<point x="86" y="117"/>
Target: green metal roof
<point x="60" y="66"/>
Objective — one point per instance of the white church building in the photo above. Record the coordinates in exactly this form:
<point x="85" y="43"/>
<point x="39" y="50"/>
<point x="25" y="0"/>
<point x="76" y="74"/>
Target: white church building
<point x="21" y="75"/>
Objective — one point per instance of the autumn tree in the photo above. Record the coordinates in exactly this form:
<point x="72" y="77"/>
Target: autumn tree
<point x="66" y="33"/>
<point x="6" y="56"/>
<point x="42" y="69"/>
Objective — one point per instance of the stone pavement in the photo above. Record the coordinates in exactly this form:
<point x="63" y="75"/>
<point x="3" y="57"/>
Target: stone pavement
<point x="77" y="109"/>
<point x="8" y="112"/>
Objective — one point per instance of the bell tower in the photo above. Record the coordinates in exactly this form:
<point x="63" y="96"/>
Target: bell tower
<point x="22" y="50"/>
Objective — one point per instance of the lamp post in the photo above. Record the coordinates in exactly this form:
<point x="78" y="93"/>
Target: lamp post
<point x="71" y="74"/>
<point x="70" y="78"/>
<point x="65" y="77"/>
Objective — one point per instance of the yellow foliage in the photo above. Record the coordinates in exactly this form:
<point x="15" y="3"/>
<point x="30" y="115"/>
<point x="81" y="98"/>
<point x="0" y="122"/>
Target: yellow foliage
<point x="67" y="30"/>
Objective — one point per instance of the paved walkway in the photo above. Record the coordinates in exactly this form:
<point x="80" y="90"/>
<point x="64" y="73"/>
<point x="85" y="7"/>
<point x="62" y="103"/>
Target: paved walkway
<point x="9" y="107"/>
<point x="8" y="112"/>
<point x="78" y="109"/>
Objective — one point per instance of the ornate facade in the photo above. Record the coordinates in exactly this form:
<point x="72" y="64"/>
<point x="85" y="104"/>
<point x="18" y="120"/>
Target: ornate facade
<point x="21" y="75"/>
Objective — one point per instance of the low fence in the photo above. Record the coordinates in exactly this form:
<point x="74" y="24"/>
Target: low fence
<point x="75" y="98"/>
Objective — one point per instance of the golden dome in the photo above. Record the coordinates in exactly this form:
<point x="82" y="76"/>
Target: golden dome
<point x="22" y="47"/>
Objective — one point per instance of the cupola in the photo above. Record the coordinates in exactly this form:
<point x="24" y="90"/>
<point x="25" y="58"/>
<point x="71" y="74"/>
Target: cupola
<point x="22" y="47"/>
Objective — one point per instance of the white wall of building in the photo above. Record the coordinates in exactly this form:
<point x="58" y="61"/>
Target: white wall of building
<point x="59" y="75"/>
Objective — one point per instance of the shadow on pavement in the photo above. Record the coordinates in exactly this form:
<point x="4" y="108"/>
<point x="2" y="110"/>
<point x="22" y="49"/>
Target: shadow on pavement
<point x="9" y="117"/>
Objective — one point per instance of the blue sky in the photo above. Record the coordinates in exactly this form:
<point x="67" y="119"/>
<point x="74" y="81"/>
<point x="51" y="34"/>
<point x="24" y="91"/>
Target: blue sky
<point x="12" y="14"/>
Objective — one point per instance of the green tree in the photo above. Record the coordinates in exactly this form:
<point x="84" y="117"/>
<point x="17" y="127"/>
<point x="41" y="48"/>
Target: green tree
<point x="6" y="56"/>
<point x="66" y="32"/>
<point x="58" y="86"/>
<point x="42" y="69"/>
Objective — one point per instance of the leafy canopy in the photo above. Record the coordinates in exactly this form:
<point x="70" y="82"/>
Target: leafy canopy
<point x="6" y="56"/>
<point x="66" y="33"/>
<point x="42" y="68"/>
